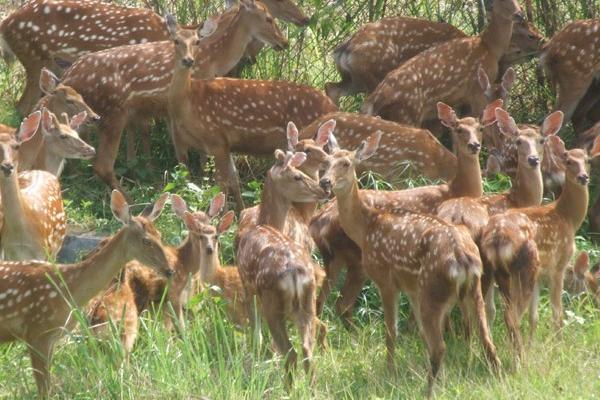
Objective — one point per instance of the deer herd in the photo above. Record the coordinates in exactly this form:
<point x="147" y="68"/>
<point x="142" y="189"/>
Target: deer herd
<point x="104" y="68"/>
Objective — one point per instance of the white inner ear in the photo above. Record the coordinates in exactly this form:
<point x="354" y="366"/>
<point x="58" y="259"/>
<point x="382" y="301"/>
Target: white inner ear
<point x="208" y="28"/>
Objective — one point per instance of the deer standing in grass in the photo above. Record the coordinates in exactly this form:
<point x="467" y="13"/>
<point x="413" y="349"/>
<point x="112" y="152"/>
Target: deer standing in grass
<point x="524" y="245"/>
<point x="445" y="73"/>
<point x="433" y="262"/>
<point x="339" y="250"/>
<point x="131" y="83"/>
<point x="571" y="60"/>
<point x="276" y="269"/>
<point x="37" y="298"/>
<point x="224" y="116"/>
<point x="379" y="47"/>
<point x="34" y="223"/>
<point x="48" y="34"/>
<point x="298" y="217"/>
<point x="401" y="146"/>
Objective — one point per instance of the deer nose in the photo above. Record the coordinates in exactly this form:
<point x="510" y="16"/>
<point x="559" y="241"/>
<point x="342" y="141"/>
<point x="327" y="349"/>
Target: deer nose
<point x="187" y="62"/>
<point x="303" y="21"/>
<point x="474" y="147"/>
<point x="583" y="179"/>
<point x="7" y="168"/>
<point x="209" y="250"/>
<point x="534" y="161"/>
<point x="90" y="152"/>
<point x="325" y="184"/>
<point x="169" y="273"/>
<point x="282" y="45"/>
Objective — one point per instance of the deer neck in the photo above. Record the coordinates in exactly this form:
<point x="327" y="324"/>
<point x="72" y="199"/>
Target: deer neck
<point x="180" y="84"/>
<point x="209" y="266"/>
<point x="573" y="203"/>
<point x="528" y="187"/>
<point x="353" y="213"/>
<point x="85" y="279"/>
<point x="273" y="206"/>
<point x="496" y="37"/>
<point x="467" y="182"/>
<point x="49" y="161"/>
<point x="231" y="46"/>
<point x="188" y="255"/>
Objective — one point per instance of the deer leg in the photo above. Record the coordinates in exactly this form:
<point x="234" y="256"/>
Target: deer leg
<point x="533" y="311"/>
<point x="332" y="266"/>
<point x="228" y="176"/>
<point x="307" y="324"/>
<point x="431" y="319"/>
<point x="510" y="313"/>
<point x="275" y="317"/>
<point x="556" y="289"/>
<point x="488" y="291"/>
<point x="478" y="309"/>
<point x="389" y="297"/>
<point x="569" y="95"/>
<point x="355" y="281"/>
<point x="32" y="92"/>
<point x="131" y="143"/>
<point x="110" y="133"/>
<point x="40" y="351"/>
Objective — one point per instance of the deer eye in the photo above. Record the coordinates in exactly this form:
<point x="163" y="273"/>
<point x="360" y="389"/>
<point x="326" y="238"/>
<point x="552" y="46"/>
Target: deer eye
<point x="307" y="151"/>
<point x="298" y="177"/>
<point x="197" y="42"/>
<point x="518" y="142"/>
<point x="63" y="136"/>
<point x="569" y="162"/>
<point x="269" y="19"/>
<point x="16" y="146"/>
<point x="146" y="242"/>
<point x="542" y="140"/>
<point x="177" y="42"/>
<point x="346" y="164"/>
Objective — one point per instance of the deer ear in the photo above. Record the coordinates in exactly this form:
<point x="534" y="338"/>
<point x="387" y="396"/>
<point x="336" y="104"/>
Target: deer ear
<point x="582" y="263"/>
<point x="488" y="116"/>
<point x="292" y="136"/>
<point x="216" y="205"/>
<point x="157" y="207"/>
<point x="208" y="28"/>
<point x="178" y="205"/>
<point x="189" y="221"/>
<point x="333" y="144"/>
<point x="595" y="152"/>
<point x="324" y="132"/>
<point x="78" y="120"/>
<point x="447" y="115"/>
<point x="46" y="119"/>
<point x="482" y="76"/>
<point x="171" y="25"/>
<point x="553" y="123"/>
<point x="369" y="147"/>
<point x="249" y="4"/>
<point x="279" y="156"/>
<point x="508" y="79"/>
<point x="48" y="81"/>
<point x="557" y="146"/>
<point x="119" y="207"/>
<point x="29" y="126"/>
<point x="506" y="124"/>
<point x="225" y="222"/>
<point x="297" y="159"/>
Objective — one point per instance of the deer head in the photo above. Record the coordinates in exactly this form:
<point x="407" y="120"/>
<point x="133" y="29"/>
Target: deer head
<point x="62" y="99"/>
<point x="62" y="138"/>
<point x="287" y="10"/>
<point x="290" y="182"/>
<point x="526" y="41"/>
<point x="316" y="157"/>
<point x="144" y="240"/>
<point x="186" y="41"/>
<point x="341" y="174"/>
<point x="574" y="161"/>
<point x="467" y="132"/>
<point x="497" y="90"/>
<point x="9" y="144"/>
<point x="264" y="28"/>
<point x="527" y="139"/>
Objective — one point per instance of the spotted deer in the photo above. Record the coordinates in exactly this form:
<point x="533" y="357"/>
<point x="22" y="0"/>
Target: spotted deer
<point x="224" y="282"/>
<point x="338" y="250"/>
<point x="48" y="34"/>
<point x="119" y="307"/>
<point x="402" y="148"/>
<point x="57" y="141"/>
<point x="445" y="73"/>
<point x="130" y="84"/>
<point x="377" y="48"/>
<point x="224" y="116"/>
<point x="580" y="279"/>
<point x="571" y="60"/>
<point x="276" y="269"/>
<point x="34" y="222"/>
<point x="298" y="217"/>
<point x="527" y="244"/>
<point x="37" y="298"/>
<point x="434" y="263"/>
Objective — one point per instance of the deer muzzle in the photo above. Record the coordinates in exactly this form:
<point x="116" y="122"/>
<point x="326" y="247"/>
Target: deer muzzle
<point x="583" y="179"/>
<point x="326" y="185"/>
<point x="474" y="147"/>
<point x="187" y="62"/>
<point x="533" y="161"/>
<point x="7" y="168"/>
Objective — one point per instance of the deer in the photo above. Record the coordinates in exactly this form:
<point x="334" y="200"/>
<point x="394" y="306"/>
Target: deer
<point x="403" y="147"/>
<point x="571" y="61"/>
<point x="226" y="280"/>
<point x="446" y="73"/>
<point x="379" y="47"/>
<point x="251" y="115"/>
<point x="580" y="279"/>
<point x="121" y="305"/>
<point x="276" y="269"/>
<point x="338" y="249"/>
<point x="434" y="263"/>
<point x="131" y="83"/>
<point x="48" y="34"/>
<point x="523" y="245"/>
<point x="38" y="297"/>
<point x="298" y="218"/>
<point x="33" y="222"/>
